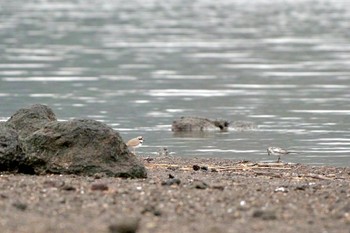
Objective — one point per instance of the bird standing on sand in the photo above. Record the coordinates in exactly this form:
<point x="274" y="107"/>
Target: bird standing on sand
<point x="277" y="151"/>
<point x="135" y="142"/>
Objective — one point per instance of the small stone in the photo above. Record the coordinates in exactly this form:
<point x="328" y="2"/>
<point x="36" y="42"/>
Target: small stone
<point x="99" y="187"/>
<point x="68" y="188"/>
<point x="204" y="168"/>
<point x="153" y="210"/>
<point x="125" y="226"/>
<point x="214" y="170"/>
<point x="171" y="176"/>
<point x="172" y="168"/>
<point x="281" y="190"/>
<point x="219" y="187"/>
<point x="172" y="181"/>
<point x="198" y="184"/>
<point x="301" y="187"/>
<point x="265" y="214"/>
<point x="98" y="175"/>
<point x="20" y="206"/>
<point x="196" y="167"/>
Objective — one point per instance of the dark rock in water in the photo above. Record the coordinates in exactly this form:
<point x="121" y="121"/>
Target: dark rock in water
<point x="185" y="124"/>
<point x="33" y="142"/>
<point x="28" y="120"/>
<point x="83" y="147"/>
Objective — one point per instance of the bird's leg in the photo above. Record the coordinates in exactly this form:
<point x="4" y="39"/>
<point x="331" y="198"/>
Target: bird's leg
<point x="279" y="159"/>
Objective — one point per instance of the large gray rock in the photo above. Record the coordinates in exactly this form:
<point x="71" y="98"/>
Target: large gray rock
<point x="190" y="123"/>
<point x="83" y="147"/>
<point x="33" y="141"/>
<point x="10" y="151"/>
<point x="28" y="120"/>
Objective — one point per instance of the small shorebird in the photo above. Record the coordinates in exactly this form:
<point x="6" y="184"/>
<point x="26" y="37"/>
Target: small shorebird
<point x="277" y="151"/>
<point x="135" y="142"/>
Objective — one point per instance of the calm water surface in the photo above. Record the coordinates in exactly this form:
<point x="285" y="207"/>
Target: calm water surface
<point x="138" y="65"/>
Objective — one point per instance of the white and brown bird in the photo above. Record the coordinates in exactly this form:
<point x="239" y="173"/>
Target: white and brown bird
<point x="277" y="151"/>
<point x="135" y="142"/>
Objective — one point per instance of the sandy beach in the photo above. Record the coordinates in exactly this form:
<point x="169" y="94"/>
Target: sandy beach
<point x="182" y="195"/>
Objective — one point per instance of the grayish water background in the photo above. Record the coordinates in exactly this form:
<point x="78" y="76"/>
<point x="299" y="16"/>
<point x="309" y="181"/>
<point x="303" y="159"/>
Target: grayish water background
<point x="137" y="65"/>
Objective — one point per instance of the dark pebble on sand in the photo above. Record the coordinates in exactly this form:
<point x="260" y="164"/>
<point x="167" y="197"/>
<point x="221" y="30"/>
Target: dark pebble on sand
<point x="20" y="206"/>
<point x="68" y="188"/>
<point x="265" y="214"/>
<point x="99" y="187"/>
<point x="151" y="209"/>
<point x="204" y="168"/>
<point x="196" y="167"/>
<point x="198" y="184"/>
<point x="171" y="176"/>
<point x="125" y="226"/>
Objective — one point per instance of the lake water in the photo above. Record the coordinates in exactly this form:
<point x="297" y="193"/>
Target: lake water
<point x="138" y="65"/>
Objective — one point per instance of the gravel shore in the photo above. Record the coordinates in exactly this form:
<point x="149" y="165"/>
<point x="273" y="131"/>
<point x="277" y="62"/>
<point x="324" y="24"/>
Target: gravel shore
<point x="182" y="195"/>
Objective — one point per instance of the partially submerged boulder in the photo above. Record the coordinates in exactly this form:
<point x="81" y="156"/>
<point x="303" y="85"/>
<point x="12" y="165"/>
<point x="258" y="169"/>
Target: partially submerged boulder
<point x="190" y="123"/>
<point x="82" y="147"/>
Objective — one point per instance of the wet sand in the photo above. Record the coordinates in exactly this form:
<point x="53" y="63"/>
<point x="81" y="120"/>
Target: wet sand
<point x="182" y="195"/>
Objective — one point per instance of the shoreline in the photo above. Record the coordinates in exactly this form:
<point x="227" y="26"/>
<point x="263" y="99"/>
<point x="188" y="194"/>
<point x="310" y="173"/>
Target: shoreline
<point x="182" y="195"/>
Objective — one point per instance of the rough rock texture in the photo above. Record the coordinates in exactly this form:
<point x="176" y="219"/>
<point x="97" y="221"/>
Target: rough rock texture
<point x="28" y="120"/>
<point x="9" y="147"/>
<point x="33" y="142"/>
<point x="186" y="124"/>
<point x="82" y="147"/>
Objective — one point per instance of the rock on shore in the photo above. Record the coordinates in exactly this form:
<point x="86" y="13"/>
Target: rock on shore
<point x="33" y="141"/>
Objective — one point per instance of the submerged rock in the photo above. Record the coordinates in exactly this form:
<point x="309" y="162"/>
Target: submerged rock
<point x="82" y="147"/>
<point x="186" y="124"/>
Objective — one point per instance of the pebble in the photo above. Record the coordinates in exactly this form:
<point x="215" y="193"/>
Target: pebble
<point x="265" y="214"/>
<point x="281" y="190"/>
<point x="69" y="188"/>
<point x="198" y="184"/>
<point x="20" y="206"/>
<point x="171" y="181"/>
<point x="99" y="187"/>
<point x="125" y="226"/>
<point x="196" y="167"/>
